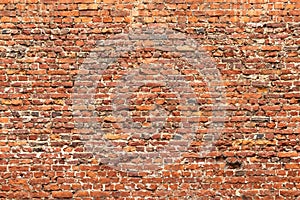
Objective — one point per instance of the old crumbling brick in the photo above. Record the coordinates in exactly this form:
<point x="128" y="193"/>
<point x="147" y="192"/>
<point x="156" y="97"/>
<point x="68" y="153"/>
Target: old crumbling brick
<point x="253" y="44"/>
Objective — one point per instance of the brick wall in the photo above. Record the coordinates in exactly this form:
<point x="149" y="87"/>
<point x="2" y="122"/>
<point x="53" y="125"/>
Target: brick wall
<point x="89" y="109"/>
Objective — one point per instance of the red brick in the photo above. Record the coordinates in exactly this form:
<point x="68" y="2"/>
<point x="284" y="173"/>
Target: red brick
<point x="254" y="46"/>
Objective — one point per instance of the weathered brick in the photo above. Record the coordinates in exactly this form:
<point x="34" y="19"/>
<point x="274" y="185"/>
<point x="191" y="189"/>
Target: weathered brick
<point x="45" y="135"/>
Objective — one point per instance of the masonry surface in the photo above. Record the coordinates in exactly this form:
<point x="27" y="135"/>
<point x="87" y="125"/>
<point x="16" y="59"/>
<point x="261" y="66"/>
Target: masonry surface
<point x="255" y="45"/>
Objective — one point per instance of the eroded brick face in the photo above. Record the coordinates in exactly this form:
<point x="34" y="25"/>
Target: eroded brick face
<point x="62" y="116"/>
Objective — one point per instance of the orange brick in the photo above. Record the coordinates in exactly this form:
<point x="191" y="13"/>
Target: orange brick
<point x="287" y="154"/>
<point x="62" y="194"/>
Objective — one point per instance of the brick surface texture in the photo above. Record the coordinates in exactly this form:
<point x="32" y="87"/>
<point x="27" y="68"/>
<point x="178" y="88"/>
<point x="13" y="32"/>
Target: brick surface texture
<point x="44" y="147"/>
